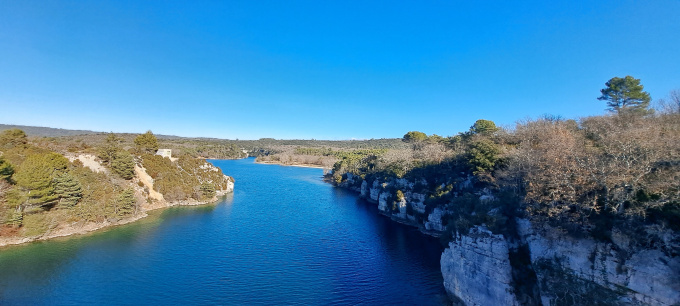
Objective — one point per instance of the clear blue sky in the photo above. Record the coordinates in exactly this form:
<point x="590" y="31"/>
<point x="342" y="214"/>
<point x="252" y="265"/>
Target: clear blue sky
<point x="323" y="69"/>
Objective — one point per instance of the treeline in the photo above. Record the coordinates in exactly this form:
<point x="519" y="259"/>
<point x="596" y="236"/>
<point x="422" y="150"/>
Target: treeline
<point x="592" y="176"/>
<point x="323" y="157"/>
<point x="209" y="148"/>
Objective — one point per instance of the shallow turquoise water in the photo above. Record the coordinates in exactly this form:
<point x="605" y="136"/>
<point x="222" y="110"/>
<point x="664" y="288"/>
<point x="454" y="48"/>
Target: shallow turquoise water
<point x="283" y="237"/>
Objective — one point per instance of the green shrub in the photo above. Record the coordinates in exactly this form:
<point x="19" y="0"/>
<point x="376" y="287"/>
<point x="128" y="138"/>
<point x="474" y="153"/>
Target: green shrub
<point x="208" y="190"/>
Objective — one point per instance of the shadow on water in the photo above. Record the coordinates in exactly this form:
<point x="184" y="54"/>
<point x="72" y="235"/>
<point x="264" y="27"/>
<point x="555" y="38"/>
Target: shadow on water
<point x="34" y="265"/>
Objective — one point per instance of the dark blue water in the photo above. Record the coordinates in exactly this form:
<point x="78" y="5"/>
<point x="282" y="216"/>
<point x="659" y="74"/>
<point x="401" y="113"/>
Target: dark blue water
<point x="283" y="237"/>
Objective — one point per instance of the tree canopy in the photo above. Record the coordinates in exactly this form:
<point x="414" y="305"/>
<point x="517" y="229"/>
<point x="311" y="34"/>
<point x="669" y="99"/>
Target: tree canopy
<point x="625" y="95"/>
<point x="147" y="143"/>
<point x="12" y="138"/>
<point x="36" y="174"/>
<point x="68" y="188"/>
<point x="414" y="136"/>
<point x="484" y="127"/>
<point x="124" y="165"/>
<point x="107" y="152"/>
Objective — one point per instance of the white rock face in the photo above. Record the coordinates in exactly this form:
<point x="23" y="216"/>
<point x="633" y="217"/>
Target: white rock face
<point x="434" y="220"/>
<point x="374" y="191"/>
<point x="476" y="269"/>
<point x="647" y="276"/>
<point x="417" y="201"/>
<point x="402" y="208"/>
<point x="230" y="187"/>
<point x="382" y="202"/>
<point x="364" y="189"/>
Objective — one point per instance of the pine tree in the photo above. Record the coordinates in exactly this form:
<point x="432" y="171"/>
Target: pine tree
<point x="625" y="95"/>
<point x="68" y="189"/>
<point x="123" y="164"/>
<point x="147" y="143"/>
<point x="484" y="127"/>
<point x="109" y="149"/>
<point x="36" y="174"/>
<point x="414" y="136"/>
<point x="6" y="170"/>
<point x="125" y="203"/>
<point x="483" y="155"/>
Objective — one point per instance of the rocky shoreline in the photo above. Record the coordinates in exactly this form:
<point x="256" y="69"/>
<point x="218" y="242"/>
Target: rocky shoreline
<point x="81" y="228"/>
<point x="537" y="264"/>
<point x="148" y="199"/>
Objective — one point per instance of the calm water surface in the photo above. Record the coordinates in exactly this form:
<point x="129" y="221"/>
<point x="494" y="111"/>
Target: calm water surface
<point x="283" y="237"/>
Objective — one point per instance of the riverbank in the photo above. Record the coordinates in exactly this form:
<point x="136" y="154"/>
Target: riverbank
<point x="292" y="165"/>
<point x="83" y="228"/>
<point x="84" y="193"/>
<point x="318" y="243"/>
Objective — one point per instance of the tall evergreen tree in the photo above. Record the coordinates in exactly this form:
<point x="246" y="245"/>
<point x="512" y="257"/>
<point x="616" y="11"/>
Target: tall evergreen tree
<point x="107" y="152"/>
<point x="125" y="202"/>
<point x="68" y="189"/>
<point x="6" y="170"/>
<point x="147" y="143"/>
<point x="35" y="177"/>
<point x="484" y="127"/>
<point x="482" y="155"/>
<point x="123" y="164"/>
<point x="626" y="95"/>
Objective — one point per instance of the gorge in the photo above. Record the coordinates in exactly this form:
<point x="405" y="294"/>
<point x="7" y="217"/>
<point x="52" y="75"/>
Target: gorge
<point x="283" y="236"/>
<point x="532" y="264"/>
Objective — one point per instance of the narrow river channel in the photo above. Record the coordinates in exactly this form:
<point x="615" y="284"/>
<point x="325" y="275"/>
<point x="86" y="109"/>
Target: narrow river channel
<point x="283" y="238"/>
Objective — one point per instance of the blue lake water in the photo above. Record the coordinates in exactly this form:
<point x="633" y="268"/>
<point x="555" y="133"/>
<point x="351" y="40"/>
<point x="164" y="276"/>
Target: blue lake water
<point x="283" y="237"/>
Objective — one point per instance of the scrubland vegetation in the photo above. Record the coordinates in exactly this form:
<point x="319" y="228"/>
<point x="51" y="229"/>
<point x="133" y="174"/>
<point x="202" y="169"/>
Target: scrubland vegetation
<point x="590" y="176"/>
<point x="41" y="189"/>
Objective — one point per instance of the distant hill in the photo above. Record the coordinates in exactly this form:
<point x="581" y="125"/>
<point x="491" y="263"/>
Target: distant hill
<point x="40" y="131"/>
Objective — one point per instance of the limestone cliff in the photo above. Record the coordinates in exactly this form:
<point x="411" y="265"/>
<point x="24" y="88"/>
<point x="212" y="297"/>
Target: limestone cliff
<point x="531" y="264"/>
<point x="476" y="269"/>
<point x="583" y="269"/>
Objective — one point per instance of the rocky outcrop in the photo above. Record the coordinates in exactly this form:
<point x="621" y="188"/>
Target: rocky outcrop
<point x="434" y="220"/>
<point x="403" y="209"/>
<point x="583" y="269"/>
<point x="156" y="199"/>
<point x="531" y="265"/>
<point x="374" y="191"/>
<point x="476" y="269"/>
<point x="364" y="189"/>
